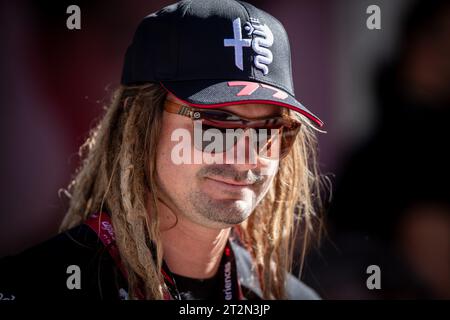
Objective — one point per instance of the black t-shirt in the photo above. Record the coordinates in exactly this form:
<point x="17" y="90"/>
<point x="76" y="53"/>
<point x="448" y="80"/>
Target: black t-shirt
<point x="197" y="289"/>
<point x="42" y="273"/>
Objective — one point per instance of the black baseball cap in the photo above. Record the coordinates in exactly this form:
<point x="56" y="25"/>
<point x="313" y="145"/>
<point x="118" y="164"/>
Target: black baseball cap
<point x="213" y="53"/>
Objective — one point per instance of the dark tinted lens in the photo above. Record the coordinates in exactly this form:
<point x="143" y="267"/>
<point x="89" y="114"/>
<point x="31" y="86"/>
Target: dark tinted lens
<point x="276" y="144"/>
<point x="210" y="137"/>
<point x="221" y="130"/>
<point x="219" y="115"/>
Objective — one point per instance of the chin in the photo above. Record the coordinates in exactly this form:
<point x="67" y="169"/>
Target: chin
<point x="222" y="211"/>
<point x="229" y="212"/>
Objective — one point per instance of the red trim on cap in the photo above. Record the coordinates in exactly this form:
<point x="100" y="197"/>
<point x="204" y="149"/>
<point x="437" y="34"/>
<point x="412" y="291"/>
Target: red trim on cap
<point x="224" y="104"/>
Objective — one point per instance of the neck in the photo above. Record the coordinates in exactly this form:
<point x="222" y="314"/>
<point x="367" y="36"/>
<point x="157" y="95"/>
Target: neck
<point x="190" y="249"/>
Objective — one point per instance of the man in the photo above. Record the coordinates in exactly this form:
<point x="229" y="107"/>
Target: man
<point x="201" y="177"/>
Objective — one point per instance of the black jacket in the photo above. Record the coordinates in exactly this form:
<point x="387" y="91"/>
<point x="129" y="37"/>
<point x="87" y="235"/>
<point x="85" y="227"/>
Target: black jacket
<point x="41" y="273"/>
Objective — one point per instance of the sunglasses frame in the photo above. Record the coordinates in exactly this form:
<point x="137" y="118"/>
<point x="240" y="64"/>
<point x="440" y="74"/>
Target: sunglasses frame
<point x="195" y="115"/>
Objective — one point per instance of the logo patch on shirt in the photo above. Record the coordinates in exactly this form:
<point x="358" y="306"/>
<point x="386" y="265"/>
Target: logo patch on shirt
<point x="261" y="39"/>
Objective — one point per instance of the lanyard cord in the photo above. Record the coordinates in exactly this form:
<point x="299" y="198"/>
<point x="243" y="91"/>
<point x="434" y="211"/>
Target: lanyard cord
<point x="230" y="287"/>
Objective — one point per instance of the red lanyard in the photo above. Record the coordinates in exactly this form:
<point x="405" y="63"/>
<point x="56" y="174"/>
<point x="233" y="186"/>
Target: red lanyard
<point x="231" y="289"/>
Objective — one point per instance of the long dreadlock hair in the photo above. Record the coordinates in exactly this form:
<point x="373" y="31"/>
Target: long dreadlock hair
<point x="118" y="173"/>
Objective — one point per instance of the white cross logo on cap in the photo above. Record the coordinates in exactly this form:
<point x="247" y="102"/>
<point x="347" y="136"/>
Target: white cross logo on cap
<point x="237" y="42"/>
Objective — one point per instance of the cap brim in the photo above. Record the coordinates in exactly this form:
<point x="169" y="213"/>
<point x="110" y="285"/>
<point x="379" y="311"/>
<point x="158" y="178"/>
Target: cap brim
<point x="213" y="94"/>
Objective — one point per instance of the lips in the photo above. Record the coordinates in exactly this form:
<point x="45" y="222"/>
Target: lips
<point x="231" y="182"/>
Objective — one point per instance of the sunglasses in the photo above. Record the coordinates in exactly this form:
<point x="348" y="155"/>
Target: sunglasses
<point x="274" y="135"/>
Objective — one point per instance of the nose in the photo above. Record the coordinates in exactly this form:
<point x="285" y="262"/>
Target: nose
<point x="245" y="151"/>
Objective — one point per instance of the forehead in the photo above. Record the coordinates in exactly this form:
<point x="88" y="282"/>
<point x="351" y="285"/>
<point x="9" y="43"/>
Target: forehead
<point x="250" y="110"/>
